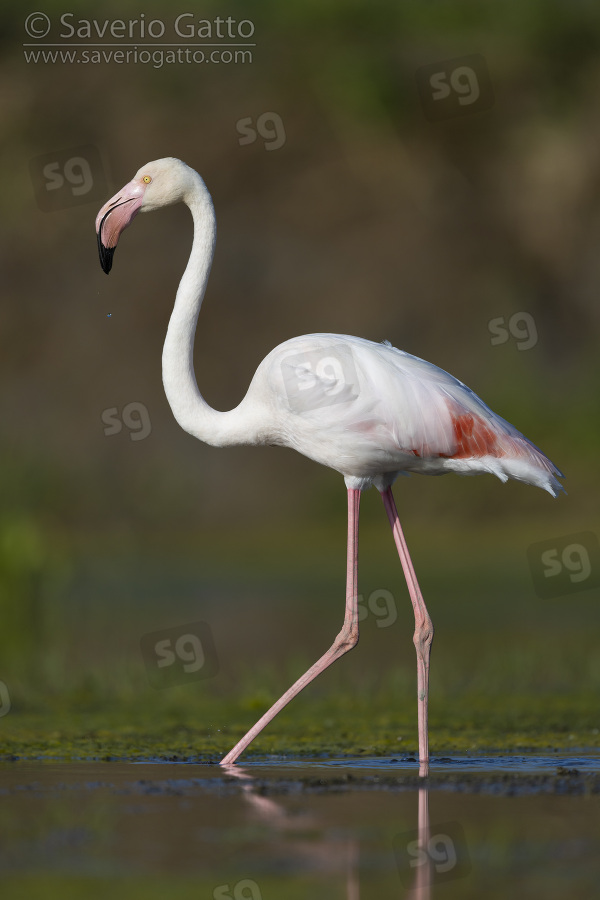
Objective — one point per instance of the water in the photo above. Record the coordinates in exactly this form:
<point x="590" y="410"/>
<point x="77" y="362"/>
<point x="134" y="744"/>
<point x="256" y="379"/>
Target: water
<point x="588" y="762"/>
<point x="519" y="827"/>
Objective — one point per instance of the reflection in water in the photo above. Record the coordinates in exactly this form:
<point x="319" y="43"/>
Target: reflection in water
<point x="328" y="856"/>
<point x="352" y="866"/>
<point x="421" y="888"/>
<point x="341" y="855"/>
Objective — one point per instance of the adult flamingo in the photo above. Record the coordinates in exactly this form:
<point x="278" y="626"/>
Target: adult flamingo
<point x="367" y="410"/>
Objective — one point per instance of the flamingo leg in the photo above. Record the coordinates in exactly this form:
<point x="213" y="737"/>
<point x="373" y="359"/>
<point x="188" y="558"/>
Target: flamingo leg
<point x="423" y="635"/>
<point x="346" y="639"/>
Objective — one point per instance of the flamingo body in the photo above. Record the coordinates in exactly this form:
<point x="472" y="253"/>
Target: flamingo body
<point x="367" y="410"/>
<point x="373" y="412"/>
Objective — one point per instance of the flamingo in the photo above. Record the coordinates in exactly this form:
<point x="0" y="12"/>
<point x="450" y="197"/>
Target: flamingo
<point x="367" y="410"/>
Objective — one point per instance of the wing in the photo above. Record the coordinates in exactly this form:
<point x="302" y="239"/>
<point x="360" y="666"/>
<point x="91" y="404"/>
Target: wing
<point x="447" y="427"/>
<point x="366" y="408"/>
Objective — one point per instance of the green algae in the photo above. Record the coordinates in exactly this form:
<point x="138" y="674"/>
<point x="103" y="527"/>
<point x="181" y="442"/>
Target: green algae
<point x="329" y="726"/>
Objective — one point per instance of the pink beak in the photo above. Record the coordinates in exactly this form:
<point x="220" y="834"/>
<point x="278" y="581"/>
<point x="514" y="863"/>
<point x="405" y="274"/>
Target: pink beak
<point x="114" y="217"/>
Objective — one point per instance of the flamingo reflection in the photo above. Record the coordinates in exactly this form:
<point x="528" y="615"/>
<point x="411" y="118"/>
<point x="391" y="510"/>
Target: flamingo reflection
<point x="337" y="855"/>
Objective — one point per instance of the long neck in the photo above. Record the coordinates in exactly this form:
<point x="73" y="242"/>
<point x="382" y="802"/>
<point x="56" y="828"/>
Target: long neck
<point x="189" y="407"/>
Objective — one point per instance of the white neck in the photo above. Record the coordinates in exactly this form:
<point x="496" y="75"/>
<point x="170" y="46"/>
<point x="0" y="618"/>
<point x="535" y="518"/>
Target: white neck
<point x="189" y="407"/>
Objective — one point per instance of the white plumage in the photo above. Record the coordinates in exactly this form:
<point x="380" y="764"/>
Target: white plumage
<point x="381" y="411"/>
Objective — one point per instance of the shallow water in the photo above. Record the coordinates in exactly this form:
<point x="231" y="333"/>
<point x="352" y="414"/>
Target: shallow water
<point x="528" y="763"/>
<point x="335" y="828"/>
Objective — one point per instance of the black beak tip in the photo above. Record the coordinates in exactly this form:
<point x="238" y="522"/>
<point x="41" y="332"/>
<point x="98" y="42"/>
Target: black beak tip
<point x="106" y="255"/>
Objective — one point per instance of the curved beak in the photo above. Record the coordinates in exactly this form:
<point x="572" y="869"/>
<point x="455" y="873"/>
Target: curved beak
<point x="114" y="217"/>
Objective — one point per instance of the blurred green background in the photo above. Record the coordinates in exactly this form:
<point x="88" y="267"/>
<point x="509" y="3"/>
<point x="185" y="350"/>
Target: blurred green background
<point x="355" y="212"/>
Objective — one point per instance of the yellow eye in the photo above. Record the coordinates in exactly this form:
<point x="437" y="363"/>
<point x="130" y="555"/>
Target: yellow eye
<point x="146" y="179"/>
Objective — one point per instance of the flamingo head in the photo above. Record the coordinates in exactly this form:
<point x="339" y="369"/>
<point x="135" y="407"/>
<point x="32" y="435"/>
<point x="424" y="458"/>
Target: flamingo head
<point x="159" y="183"/>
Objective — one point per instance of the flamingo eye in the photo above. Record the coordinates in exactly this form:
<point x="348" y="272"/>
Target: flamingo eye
<point x="146" y="179"/>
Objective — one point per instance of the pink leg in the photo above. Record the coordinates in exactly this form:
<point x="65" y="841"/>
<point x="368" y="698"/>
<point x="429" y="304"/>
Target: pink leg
<point x="346" y="639"/>
<point x="423" y="627"/>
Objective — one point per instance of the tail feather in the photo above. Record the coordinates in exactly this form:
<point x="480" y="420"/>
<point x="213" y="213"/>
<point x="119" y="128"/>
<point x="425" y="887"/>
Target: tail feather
<point x="524" y="461"/>
<point x="496" y="446"/>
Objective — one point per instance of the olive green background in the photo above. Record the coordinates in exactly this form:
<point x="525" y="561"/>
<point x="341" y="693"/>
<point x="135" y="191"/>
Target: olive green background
<point x="370" y="219"/>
